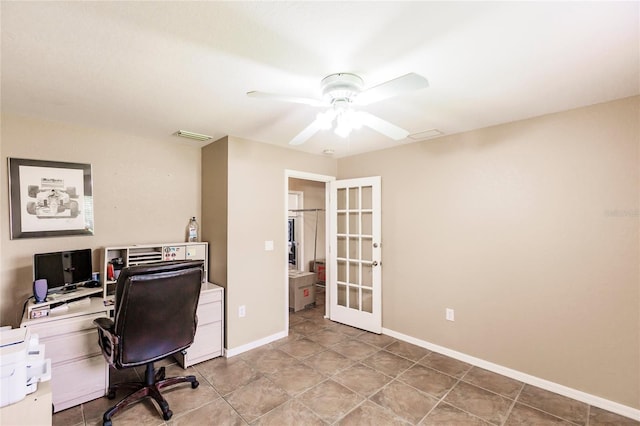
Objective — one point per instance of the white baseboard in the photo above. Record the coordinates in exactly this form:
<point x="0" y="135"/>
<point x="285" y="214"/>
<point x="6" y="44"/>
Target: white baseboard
<point x="596" y="401"/>
<point x="255" y="344"/>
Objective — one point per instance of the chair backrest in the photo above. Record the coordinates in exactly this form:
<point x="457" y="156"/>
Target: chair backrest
<point x="155" y="310"/>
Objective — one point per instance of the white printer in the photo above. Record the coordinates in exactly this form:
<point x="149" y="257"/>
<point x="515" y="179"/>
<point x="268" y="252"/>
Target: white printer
<point x="22" y="364"/>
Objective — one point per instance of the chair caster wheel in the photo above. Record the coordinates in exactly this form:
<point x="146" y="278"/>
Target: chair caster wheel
<point x="195" y="384"/>
<point x="111" y="394"/>
<point x="167" y="415"/>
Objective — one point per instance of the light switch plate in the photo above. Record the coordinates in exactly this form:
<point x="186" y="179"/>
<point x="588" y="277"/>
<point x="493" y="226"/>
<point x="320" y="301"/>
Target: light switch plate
<point x="268" y="245"/>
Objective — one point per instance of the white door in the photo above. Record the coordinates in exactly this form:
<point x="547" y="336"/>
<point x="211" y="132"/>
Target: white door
<point x="355" y="277"/>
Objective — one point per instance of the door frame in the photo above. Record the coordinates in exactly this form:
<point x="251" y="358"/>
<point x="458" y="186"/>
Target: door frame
<point x="289" y="173"/>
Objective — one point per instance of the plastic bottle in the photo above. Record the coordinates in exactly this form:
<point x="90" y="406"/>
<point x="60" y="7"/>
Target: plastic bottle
<point x="193" y="231"/>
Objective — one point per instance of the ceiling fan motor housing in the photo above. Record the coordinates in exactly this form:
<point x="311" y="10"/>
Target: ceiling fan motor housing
<point x="341" y="87"/>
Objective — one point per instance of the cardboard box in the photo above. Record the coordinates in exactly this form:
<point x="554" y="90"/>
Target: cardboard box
<point x="320" y="269"/>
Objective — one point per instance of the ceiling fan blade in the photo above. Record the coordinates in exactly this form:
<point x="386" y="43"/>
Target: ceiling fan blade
<point x="306" y="133"/>
<point x="407" y="83"/>
<point x="382" y="126"/>
<point x="285" y="98"/>
<point x="322" y="122"/>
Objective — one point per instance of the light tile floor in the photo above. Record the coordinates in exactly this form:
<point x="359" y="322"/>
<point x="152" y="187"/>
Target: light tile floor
<point x="326" y="373"/>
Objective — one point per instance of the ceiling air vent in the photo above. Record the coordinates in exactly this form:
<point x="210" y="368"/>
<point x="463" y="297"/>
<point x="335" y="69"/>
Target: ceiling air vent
<point x="427" y="134"/>
<point x="191" y="135"/>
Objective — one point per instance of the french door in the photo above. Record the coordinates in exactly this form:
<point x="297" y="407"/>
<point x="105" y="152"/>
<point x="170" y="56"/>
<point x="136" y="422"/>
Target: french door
<point x="355" y="277"/>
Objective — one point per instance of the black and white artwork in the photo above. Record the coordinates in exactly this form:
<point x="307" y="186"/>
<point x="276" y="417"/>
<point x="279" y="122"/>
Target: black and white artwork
<point x="50" y="198"/>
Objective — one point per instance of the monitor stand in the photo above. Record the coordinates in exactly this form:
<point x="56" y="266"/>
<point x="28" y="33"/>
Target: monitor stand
<point x="70" y="288"/>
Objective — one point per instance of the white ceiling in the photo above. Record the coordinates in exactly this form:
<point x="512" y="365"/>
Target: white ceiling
<point x="151" y="68"/>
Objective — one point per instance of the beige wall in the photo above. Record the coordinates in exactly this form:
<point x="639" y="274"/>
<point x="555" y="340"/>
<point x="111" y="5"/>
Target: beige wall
<point x="256" y="213"/>
<point x="144" y="190"/>
<point x="530" y="232"/>
<point x="314" y="198"/>
<point x="214" y="208"/>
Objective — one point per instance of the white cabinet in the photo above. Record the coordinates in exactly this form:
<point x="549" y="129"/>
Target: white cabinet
<point x="79" y="372"/>
<point x="208" y="341"/>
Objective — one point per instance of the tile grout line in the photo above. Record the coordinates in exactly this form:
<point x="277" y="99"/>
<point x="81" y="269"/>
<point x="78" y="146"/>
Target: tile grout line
<point x="550" y="414"/>
<point x="460" y="379"/>
<point x="513" y="404"/>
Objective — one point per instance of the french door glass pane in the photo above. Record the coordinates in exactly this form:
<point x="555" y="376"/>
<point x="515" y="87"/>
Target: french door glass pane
<point x="342" y="295"/>
<point x="342" y="223"/>
<point x="367" y="275"/>
<point x="354" y="225"/>
<point x="342" y="247"/>
<point x="354" y="203"/>
<point x="342" y="271"/>
<point x="367" y="249"/>
<point x="354" y="248"/>
<point x="342" y="198"/>
<point x="354" y="300"/>
<point x="354" y="273"/>
<point x="367" y="199"/>
<point x="367" y="300"/>
<point x="367" y="223"/>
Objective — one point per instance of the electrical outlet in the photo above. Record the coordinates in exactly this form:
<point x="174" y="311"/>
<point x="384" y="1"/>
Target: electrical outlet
<point x="449" y="314"/>
<point x="242" y="311"/>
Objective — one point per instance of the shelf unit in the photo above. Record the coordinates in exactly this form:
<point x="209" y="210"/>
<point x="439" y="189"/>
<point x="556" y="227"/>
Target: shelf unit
<point x="149" y="253"/>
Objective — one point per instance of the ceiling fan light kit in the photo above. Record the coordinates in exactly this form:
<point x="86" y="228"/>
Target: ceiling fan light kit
<point x="341" y="92"/>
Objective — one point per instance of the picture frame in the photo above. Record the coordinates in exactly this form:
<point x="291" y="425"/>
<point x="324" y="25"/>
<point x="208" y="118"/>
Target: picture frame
<point x="49" y="198"/>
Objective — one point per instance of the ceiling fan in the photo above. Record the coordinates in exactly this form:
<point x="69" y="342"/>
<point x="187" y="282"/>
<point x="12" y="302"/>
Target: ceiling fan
<point x="341" y="92"/>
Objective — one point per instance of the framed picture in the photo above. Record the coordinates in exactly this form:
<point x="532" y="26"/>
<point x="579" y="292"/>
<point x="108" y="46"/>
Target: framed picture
<point x="49" y="198"/>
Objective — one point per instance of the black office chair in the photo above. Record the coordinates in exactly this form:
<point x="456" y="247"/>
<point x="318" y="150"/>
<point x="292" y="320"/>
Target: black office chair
<point x="155" y="317"/>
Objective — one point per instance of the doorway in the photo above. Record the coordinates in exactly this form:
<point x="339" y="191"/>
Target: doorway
<point x="352" y="248"/>
<point x="306" y="198"/>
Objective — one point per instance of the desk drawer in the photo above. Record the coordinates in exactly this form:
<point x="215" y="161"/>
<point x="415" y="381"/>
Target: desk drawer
<point x="71" y="346"/>
<point x="65" y="326"/>
<point x="209" y="296"/>
<point x="76" y="382"/>
<point x="207" y="341"/>
<point x="208" y="313"/>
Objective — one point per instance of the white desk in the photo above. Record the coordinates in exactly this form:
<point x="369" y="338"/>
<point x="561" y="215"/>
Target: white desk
<point x="33" y="410"/>
<point x="79" y="371"/>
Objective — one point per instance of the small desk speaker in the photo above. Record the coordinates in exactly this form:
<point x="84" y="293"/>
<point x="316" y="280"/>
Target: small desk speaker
<point x="40" y="290"/>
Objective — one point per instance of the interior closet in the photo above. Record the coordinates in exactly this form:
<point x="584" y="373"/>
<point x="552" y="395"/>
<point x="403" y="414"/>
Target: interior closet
<point x="306" y="224"/>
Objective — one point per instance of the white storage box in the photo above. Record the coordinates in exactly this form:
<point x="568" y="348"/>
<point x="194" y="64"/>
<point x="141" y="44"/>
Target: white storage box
<point x="302" y="290"/>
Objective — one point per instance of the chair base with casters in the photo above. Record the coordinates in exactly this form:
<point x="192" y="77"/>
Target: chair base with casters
<point x="150" y="388"/>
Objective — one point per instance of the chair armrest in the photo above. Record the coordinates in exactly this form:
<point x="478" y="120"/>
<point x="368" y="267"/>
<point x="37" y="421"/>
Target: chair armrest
<point x="107" y="340"/>
<point x="106" y="324"/>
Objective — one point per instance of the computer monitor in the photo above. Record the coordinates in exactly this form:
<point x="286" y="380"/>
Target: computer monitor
<point x="63" y="270"/>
